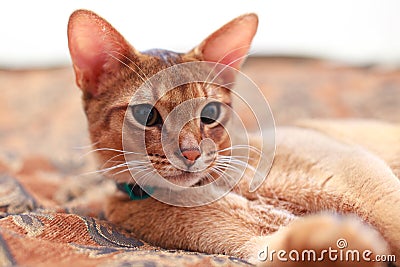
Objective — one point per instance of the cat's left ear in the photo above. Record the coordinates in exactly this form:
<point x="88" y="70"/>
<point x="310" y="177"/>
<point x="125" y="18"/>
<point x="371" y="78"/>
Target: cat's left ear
<point x="96" y="49"/>
<point x="229" y="45"/>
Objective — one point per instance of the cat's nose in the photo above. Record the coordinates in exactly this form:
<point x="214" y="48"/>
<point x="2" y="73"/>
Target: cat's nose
<point x="190" y="155"/>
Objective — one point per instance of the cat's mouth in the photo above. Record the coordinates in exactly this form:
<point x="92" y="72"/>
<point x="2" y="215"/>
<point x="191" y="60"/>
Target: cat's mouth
<point x="186" y="179"/>
<point x="185" y="175"/>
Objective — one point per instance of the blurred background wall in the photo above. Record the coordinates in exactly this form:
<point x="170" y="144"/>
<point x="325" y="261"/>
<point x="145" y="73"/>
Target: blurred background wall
<point x="33" y="33"/>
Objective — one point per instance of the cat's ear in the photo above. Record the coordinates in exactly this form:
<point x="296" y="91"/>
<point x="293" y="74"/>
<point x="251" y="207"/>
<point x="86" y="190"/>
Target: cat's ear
<point x="95" y="47"/>
<point x="229" y="45"/>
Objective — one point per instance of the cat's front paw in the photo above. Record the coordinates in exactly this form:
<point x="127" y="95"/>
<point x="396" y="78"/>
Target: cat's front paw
<point x="320" y="240"/>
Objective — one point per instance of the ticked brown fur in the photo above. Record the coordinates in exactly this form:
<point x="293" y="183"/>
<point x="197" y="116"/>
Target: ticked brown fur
<point x="329" y="180"/>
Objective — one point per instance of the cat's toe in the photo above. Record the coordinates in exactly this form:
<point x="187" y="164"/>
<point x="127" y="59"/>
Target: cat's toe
<point x="320" y="240"/>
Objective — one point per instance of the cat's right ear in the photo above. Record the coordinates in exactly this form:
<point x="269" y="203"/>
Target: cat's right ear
<point x="229" y="45"/>
<point x="95" y="47"/>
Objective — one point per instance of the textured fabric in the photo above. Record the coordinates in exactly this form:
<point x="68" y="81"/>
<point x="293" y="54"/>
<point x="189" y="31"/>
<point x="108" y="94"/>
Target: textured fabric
<point x="36" y="233"/>
<point x="51" y="197"/>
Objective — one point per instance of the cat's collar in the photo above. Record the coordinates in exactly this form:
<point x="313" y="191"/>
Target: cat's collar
<point x="134" y="191"/>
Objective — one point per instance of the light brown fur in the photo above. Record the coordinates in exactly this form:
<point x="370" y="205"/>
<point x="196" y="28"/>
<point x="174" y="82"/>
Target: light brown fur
<point x="321" y="168"/>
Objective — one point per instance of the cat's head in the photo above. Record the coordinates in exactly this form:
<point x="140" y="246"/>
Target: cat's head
<point x="109" y="71"/>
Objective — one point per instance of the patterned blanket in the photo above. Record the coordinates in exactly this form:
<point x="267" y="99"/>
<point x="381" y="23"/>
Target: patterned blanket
<point x="51" y="197"/>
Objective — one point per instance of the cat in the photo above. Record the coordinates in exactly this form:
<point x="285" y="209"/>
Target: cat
<point x="330" y="181"/>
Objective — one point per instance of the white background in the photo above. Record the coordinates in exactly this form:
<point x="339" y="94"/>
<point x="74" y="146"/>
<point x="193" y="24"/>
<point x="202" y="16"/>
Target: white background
<point x="33" y="33"/>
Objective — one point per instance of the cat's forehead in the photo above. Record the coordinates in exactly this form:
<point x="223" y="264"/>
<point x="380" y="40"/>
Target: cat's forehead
<point x="188" y="100"/>
<point x="159" y="86"/>
<point x="181" y="94"/>
<point x="167" y="58"/>
<point x="169" y="98"/>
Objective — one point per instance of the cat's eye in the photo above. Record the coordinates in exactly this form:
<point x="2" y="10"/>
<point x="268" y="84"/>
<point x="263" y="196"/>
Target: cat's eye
<point x="210" y="113"/>
<point x="146" y="114"/>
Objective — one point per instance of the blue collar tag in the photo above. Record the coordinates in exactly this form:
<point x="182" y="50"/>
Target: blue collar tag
<point x="134" y="191"/>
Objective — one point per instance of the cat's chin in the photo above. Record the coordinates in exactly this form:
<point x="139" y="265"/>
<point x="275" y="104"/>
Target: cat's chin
<point x="185" y="180"/>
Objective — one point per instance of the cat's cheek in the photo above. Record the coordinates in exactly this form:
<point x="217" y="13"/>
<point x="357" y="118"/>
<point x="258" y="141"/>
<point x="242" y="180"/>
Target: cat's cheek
<point x="219" y="135"/>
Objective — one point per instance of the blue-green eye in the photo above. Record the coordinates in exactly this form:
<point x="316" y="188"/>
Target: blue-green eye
<point x="210" y="112"/>
<point x="146" y="114"/>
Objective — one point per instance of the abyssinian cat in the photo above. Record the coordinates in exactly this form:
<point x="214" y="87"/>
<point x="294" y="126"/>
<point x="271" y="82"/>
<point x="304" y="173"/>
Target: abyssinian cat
<point x="330" y="181"/>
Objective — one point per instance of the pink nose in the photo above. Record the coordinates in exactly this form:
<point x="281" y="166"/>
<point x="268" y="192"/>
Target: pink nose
<point x="191" y="155"/>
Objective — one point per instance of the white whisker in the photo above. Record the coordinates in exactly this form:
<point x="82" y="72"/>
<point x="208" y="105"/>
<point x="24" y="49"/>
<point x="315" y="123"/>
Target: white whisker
<point x="86" y="146"/>
<point x="252" y="148"/>
<point x="139" y="167"/>
<point x="143" y="177"/>
<point x="126" y="65"/>
<point x="112" y="161"/>
<point x="229" y="167"/>
<point x="113" y="150"/>
<point x="243" y="164"/>
<point x="222" y="174"/>
<point x="230" y="157"/>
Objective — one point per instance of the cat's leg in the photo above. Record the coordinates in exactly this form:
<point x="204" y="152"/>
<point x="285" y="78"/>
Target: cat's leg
<point x="320" y="240"/>
<point x="220" y="227"/>
<point x="234" y="226"/>
<point x="381" y="138"/>
<point x="316" y="172"/>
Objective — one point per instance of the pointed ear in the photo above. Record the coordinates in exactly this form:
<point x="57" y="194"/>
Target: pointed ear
<point x="229" y="45"/>
<point x="95" y="48"/>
